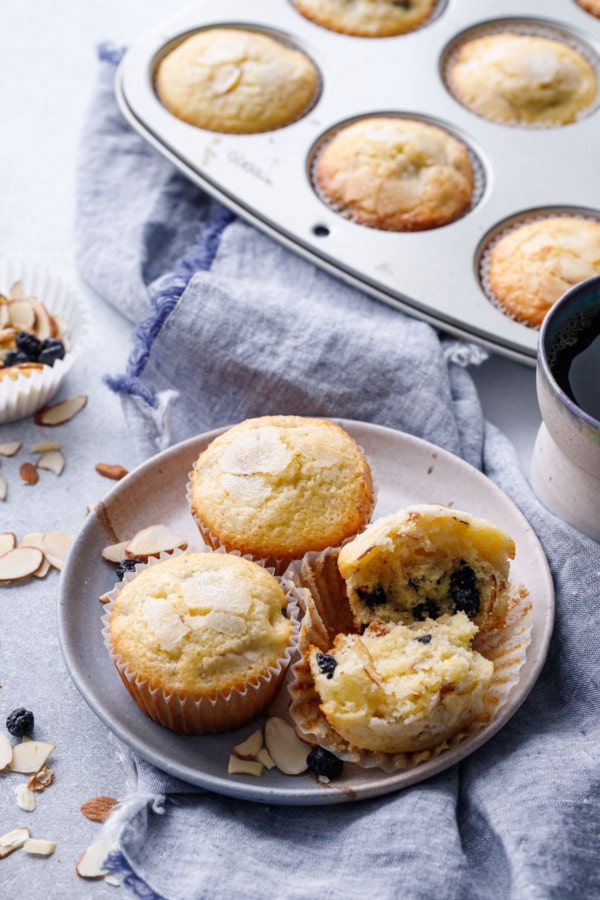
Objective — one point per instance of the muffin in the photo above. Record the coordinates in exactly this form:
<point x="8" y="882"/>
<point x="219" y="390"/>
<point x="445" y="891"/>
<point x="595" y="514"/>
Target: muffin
<point x="276" y="487"/>
<point x="533" y="265"/>
<point x="591" y="6"/>
<point x="201" y="640"/>
<point x="236" y="81"/>
<point x="426" y="561"/>
<point x="522" y="79"/>
<point x="367" y="18"/>
<point x="403" y="688"/>
<point x="395" y="174"/>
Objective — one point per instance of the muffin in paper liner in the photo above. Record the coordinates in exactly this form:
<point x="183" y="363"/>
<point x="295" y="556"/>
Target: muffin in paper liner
<point x="371" y="20"/>
<point x="327" y="613"/>
<point x="27" y="388"/>
<point x="226" y="710"/>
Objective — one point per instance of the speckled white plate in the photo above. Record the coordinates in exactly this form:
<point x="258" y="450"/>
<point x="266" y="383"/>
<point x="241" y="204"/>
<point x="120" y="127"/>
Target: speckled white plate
<point x="406" y="470"/>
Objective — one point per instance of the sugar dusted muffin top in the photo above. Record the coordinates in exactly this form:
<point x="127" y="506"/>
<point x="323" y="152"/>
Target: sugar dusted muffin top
<point x="533" y="265"/>
<point x="279" y="486"/>
<point x="522" y="79"/>
<point x="396" y="174"/>
<point x="236" y="81"/>
<point x="368" y="18"/>
<point x="402" y="689"/>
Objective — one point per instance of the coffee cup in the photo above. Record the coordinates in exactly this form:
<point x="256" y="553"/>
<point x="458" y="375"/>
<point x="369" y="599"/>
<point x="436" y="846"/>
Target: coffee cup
<point x="565" y="470"/>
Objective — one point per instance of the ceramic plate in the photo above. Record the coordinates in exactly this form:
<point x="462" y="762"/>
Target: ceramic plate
<point x="406" y="470"/>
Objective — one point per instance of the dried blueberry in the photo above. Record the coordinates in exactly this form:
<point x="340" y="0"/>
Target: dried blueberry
<point x="29" y="344"/>
<point x="326" y="663"/>
<point x="424" y="639"/>
<point x="372" y="597"/>
<point x="126" y="565"/>
<point x="464" y="590"/>
<point x="15" y="357"/>
<point x="324" y="764"/>
<point x="52" y="349"/>
<point x="426" y="610"/>
<point x="20" y="722"/>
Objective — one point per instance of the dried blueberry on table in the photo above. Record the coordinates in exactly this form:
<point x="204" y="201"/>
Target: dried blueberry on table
<point x="372" y="597"/>
<point x="15" y="357"/>
<point x="324" y="764"/>
<point x="426" y="610"/>
<point x="51" y="350"/>
<point x="29" y="344"/>
<point x="464" y="590"/>
<point x="20" y="722"/>
<point x="326" y="663"/>
<point x="126" y="565"/>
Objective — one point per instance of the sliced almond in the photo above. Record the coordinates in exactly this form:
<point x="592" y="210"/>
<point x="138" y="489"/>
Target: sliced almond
<point x="56" y="545"/>
<point x="20" y="563"/>
<point x="30" y="756"/>
<point x="98" y="809"/>
<point x="265" y="758"/>
<point x="6" y="752"/>
<point x="22" y="315"/>
<point x="52" y="461"/>
<point x="10" y="449"/>
<point x="110" y="470"/>
<point x="28" y="473"/>
<point x="3" y="488"/>
<point x="114" y="553"/>
<point x="112" y="880"/>
<point x="45" y="446"/>
<point x="44" y="327"/>
<point x="152" y="541"/>
<point x="12" y="840"/>
<point x="287" y="750"/>
<point x="25" y="798"/>
<point x="250" y="747"/>
<point x="39" y="781"/>
<point x="43" y="570"/>
<point x="16" y="291"/>
<point x="61" y="412"/>
<point x="39" y="847"/>
<point x="244" y="767"/>
<point x="90" y="863"/>
<point x="8" y="541"/>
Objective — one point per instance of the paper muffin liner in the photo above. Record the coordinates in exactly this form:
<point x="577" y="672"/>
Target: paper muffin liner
<point x="29" y="392"/>
<point x="518" y="221"/>
<point x="327" y="613"/>
<point x="479" y="179"/>
<point x="534" y="29"/>
<point x="227" y="710"/>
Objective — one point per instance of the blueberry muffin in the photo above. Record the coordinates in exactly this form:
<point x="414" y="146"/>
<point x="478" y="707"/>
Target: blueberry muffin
<point x="403" y="688"/>
<point x="427" y="561"/>
<point x="533" y="265"/>
<point x="236" y="81"/>
<point x="276" y="487"/>
<point x="201" y="640"/>
<point x="368" y="18"/>
<point x="395" y="174"/>
<point x="522" y="79"/>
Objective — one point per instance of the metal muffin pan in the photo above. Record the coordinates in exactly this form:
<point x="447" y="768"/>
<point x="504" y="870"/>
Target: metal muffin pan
<point x="265" y="178"/>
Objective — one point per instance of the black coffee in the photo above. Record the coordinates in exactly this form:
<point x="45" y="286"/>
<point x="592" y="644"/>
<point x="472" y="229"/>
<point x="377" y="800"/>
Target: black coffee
<point x="575" y="363"/>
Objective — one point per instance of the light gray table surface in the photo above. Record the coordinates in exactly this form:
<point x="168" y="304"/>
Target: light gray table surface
<point x="48" y="72"/>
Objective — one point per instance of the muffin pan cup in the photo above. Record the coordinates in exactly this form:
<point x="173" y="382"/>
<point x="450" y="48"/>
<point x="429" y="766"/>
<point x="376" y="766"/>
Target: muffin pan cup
<point x="265" y="178"/>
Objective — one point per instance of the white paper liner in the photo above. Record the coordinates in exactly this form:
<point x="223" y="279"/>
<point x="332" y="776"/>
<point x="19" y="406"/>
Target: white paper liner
<point x="323" y="599"/>
<point x="228" y="710"/>
<point x="519" y="221"/>
<point x="534" y="29"/>
<point x="25" y="395"/>
<point x="479" y="181"/>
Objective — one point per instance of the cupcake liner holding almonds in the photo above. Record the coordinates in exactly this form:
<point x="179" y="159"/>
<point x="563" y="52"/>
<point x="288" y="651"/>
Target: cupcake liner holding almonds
<point x="38" y="301"/>
<point x="326" y="613"/>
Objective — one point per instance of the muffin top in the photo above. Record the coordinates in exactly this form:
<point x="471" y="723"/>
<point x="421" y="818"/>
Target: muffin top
<point x="426" y="561"/>
<point x="524" y="79"/>
<point x="282" y="485"/>
<point x="534" y="264"/>
<point x="200" y="623"/>
<point x="398" y="688"/>
<point x="396" y="174"/>
<point x="367" y="18"/>
<point x="236" y="81"/>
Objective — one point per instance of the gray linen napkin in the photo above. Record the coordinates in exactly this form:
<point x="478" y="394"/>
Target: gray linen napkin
<point x="231" y="325"/>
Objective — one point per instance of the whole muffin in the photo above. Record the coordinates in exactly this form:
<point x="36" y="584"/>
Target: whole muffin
<point x="368" y="18"/>
<point x="200" y="640"/>
<point x="276" y="487"/>
<point x="534" y="264"/>
<point x="236" y="81"/>
<point x="396" y="174"/>
<point x="402" y="688"/>
<point x="426" y="561"/>
<point x="522" y="79"/>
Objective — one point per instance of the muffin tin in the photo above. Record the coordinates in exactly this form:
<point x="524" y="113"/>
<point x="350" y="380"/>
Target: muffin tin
<point x="266" y="178"/>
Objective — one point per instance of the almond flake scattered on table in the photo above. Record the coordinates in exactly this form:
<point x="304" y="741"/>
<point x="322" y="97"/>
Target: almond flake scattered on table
<point x="98" y="809"/>
<point x="111" y="470"/>
<point x="61" y="412"/>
